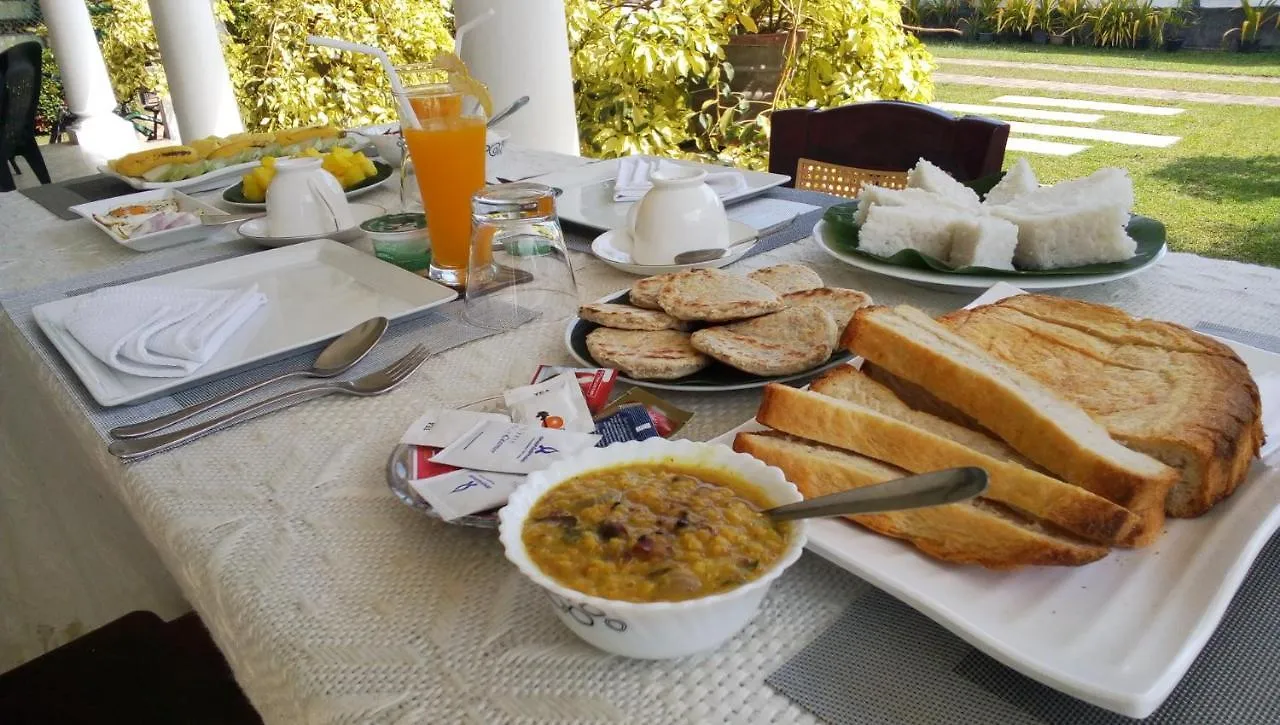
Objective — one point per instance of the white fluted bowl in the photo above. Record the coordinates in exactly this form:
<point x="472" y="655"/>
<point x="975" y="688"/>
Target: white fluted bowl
<point x="656" y="630"/>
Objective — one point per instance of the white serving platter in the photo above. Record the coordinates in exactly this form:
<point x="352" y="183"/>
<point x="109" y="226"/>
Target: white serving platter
<point x="155" y="240"/>
<point x="970" y="282"/>
<point x="587" y="197"/>
<point x="1119" y="633"/>
<point x="315" y="291"/>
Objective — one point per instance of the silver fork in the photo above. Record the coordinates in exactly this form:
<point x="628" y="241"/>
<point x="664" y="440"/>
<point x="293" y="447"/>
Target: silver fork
<point x="374" y="383"/>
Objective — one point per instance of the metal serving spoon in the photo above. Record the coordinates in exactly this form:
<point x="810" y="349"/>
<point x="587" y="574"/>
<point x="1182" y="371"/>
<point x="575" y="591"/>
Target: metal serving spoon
<point x="516" y="105"/>
<point x="927" y="489"/>
<point x="695" y="256"/>
<point x="346" y="350"/>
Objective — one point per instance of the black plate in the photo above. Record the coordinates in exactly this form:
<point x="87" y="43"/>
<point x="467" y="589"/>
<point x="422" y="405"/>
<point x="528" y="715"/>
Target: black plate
<point x="235" y="194"/>
<point x="717" y="377"/>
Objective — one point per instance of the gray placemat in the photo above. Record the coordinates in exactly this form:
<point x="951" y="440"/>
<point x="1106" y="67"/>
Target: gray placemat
<point x="579" y="238"/>
<point x="447" y="331"/>
<point x="884" y="662"/>
<point x="60" y="197"/>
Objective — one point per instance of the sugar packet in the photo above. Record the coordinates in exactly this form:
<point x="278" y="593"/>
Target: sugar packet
<point x="438" y="427"/>
<point x="596" y="383"/>
<point x="555" y="403"/>
<point x="459" y="493"/>
<point x="513" y="448"/>
<point x="629" y="423"/>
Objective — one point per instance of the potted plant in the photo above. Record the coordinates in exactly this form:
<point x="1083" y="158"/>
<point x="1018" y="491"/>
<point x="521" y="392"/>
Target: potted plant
<point x="1016" y="18"/>
<point x="1043" y="20"/>
<point x="1175" y="23"/>
<point x="1069" y="17"/>
<point x="1251" y="21"/>
<point x="985" y="19"/>
<point x="1150" y="21"/>
<point x="763" y="35"/>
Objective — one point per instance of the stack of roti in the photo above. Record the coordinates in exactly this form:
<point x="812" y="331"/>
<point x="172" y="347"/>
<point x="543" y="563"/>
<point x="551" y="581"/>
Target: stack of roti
<point x="779" y="320"/>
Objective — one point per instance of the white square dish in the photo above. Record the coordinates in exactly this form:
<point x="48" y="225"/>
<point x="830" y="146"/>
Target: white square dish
<point x="1118" y="633"/>
<point x="587" y="197"/>
<point x="155" y="240"/>
<point x="315" y="291"/>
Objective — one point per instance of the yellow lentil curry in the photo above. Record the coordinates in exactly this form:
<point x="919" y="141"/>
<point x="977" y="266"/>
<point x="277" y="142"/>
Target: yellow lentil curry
<point x="653" y="532"/>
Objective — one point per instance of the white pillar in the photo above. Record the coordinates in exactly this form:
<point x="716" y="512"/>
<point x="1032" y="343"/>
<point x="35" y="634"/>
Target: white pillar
<point x="100" y="132"/>
<point x="523" y="50"/>
<point x="191" y="51"/>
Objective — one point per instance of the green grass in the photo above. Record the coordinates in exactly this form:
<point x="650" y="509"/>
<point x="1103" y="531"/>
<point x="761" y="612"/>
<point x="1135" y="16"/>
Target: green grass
<point x="1217" y="190"/>
<point x="1241" y="87"/>
<point x="1263" y="64"/>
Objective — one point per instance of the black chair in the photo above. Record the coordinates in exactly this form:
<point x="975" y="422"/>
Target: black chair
<point x="20" y="69"/>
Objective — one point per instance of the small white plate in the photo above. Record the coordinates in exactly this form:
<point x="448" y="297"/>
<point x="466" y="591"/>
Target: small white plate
<point x="971" y="282"/>
<point x="255" y="230"/>
<point x="611" y="248"/>
<point x="588" y="192"/>
<point x="314" y="291"/>
<point x="155" y="240"/>
<point x="1118" y="633"/>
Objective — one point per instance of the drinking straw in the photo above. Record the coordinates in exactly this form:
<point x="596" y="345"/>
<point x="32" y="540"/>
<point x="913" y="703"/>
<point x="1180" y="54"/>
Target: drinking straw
<point x="462" y="30"/>
<point x="397" y="88"/>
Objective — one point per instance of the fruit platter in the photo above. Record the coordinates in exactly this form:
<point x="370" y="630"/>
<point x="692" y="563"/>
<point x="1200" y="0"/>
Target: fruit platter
<point x="356" y="173"/>
<point x="209" y="162"/>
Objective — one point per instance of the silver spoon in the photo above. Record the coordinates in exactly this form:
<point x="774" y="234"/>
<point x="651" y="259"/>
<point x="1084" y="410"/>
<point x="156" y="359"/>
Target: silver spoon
<point x="695" y="256"/>
<point x="928" y="489"/>
<point x="516" y="105"/>
<point x="221" y="220"/>
<point x="346" y="350"/>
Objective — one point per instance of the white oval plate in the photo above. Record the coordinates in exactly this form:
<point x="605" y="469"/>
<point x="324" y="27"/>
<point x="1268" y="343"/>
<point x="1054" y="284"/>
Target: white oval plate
<point x="255" y="230"/>
<point x="974" y="282"/>
<point x="605" y="248"/>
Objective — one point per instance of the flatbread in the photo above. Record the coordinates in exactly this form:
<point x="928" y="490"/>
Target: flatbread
<point x="626" y="317"/>
<point x="645" y="354"/>
<point x="644" y="293"/>
<point x="787" y="278"/>
<point x="838" y="302"/>
<point x="715" y="296"/>
<point x="791" y="341"/>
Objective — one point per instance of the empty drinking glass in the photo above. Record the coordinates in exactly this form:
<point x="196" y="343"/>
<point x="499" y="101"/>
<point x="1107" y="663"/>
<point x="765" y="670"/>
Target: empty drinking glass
<point x="519" y="269"/>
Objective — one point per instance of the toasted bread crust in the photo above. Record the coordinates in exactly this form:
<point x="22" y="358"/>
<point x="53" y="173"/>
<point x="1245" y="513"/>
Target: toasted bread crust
<point x="960" y="533"/>
<point x="861" y="429"/>
<point x="1051" y="432"/>
<point x="1160" y="388"/>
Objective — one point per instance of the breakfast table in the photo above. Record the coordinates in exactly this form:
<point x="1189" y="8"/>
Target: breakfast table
<point x="334" y="602"/>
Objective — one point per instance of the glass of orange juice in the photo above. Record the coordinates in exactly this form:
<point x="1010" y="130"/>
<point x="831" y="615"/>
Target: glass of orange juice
<point x="446" y="141"/>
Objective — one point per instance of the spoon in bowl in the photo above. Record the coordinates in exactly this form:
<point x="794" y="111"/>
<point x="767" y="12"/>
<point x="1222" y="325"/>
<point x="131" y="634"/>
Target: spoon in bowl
<point x="502" y="115"/>
<point x="346" y="350"/>
<point x="951" y="485"/>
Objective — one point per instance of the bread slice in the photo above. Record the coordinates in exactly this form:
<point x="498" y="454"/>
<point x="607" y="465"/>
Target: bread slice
<point x="787" y="278"/>
<point x="782" y="343"/>
<point x="644" y="293"/>
<point x="1181" y="397"/>
<point x="973" y="532"/>
<point x="645" y="354"/>
<point x="626" y="317"/>
<point x="1052" y="432"/>
<point x="715" y="296"/>
<point x="920" y="443"/>
<point x="839" y="303"/>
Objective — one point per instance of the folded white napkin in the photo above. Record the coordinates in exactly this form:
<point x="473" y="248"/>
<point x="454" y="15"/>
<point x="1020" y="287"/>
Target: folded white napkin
<point x="633" y="178"/>
<point x="159" y="332"/>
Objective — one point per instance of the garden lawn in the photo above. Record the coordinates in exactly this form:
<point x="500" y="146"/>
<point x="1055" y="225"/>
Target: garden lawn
<point x="1244" y="86"/>
<point x="1217" y="190"/>
<point x="1262" y="64"/>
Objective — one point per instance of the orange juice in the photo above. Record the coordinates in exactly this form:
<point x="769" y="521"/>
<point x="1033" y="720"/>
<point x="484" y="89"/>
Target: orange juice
<point x="448" y="156"/>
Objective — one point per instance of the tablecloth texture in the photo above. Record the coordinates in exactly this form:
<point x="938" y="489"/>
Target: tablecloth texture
<point x="335" y="603"/>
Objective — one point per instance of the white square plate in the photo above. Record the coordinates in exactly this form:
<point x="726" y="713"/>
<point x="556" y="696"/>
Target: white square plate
<point x="588" y="192"/>
<point x="315" y="291"/>
<point x="1119" y="633"/>
<point x="155" y="240"/>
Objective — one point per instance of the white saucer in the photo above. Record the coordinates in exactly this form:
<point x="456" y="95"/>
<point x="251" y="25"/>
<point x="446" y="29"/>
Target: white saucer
<point x="255" y="230"/>
<point x="606" y="249"/>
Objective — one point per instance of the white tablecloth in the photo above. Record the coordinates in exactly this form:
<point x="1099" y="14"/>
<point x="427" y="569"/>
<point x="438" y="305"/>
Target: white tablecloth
<point x="335" y="603"/>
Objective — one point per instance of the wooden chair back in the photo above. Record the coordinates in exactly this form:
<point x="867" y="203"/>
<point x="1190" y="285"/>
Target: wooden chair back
<point x="886" y="136"/>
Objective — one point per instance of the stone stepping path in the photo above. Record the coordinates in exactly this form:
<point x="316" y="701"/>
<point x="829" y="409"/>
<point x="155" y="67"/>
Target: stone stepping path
<point x="1127" y="138"/>
<point x="1048" y="148"/>
<point x="1034" y="114"/>
<point x="1090" y="105"/>
<point x="1220" y="99"/>
<point x="1102" y="70"/>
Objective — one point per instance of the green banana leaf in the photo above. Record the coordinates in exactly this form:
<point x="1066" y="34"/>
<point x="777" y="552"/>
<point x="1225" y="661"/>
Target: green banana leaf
<point x="1147" y="232"/>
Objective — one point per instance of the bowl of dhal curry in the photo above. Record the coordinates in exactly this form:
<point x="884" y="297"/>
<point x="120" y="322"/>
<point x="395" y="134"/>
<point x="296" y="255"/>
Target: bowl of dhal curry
<point x="654" y="549"/>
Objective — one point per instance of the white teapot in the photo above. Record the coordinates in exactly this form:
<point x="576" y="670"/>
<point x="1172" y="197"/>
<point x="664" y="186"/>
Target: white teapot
<point x="680" y="213"/>
<point x="304" y="199"/>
